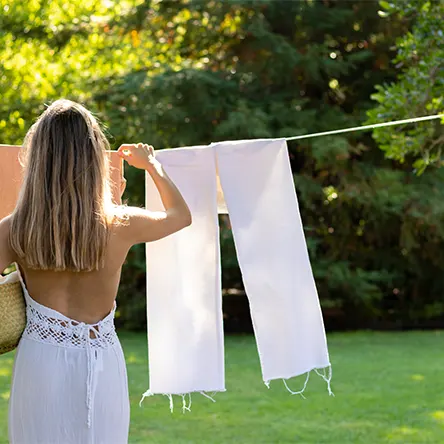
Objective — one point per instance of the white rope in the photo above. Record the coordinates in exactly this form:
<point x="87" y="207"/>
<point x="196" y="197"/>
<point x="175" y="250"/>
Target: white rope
<point x="356" y="128"/>
<point x="366" y="127"/>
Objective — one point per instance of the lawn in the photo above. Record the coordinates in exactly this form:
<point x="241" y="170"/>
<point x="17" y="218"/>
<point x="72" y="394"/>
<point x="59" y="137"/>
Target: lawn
<point x="389" y="388"/>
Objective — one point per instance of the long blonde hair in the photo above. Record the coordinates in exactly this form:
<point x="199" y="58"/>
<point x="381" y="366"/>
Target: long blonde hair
<point x="64" y="212"/>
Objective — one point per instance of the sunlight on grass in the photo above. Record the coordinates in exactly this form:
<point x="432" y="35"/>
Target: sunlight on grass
<point x="438" y="415"/>
<point x="356" y="424"/>
<point x="133" y="359"/>
<point x="402" y="433"/>
<point x="389" y="389"/>
<point x="5" y="371"/>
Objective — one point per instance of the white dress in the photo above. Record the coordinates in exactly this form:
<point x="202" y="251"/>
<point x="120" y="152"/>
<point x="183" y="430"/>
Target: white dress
<point x="69" y="381"/>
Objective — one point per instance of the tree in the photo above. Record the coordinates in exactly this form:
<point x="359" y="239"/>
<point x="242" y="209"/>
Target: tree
<point x="279" y="68"/>
<point x="418" y="90"/>
<point x="177" y="73"/>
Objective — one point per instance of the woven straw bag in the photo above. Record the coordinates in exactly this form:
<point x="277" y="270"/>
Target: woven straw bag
<point x="12" y="312"/>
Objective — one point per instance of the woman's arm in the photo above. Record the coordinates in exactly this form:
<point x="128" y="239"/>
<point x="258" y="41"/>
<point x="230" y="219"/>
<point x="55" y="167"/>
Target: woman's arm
<point x="147" y="226"/>
<point x="6" y="254"/>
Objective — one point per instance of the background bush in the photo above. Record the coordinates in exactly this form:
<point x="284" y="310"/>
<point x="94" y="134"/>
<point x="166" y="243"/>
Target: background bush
<point x="191" y="72"/>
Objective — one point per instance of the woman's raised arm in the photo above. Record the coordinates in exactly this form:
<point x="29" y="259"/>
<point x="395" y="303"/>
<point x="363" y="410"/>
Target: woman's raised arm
<point x="145" y="225"/>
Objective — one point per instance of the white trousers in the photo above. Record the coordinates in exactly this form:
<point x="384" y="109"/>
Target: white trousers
<point x="69" y="382"/>
<point x="184" y="302"/>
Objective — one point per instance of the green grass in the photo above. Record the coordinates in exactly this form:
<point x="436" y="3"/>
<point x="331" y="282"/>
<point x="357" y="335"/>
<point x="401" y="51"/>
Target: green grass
<point x="389" y="388"/>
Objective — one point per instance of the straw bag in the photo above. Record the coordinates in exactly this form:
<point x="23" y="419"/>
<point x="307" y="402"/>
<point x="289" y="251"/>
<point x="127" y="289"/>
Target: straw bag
<point x="12" y="312"/>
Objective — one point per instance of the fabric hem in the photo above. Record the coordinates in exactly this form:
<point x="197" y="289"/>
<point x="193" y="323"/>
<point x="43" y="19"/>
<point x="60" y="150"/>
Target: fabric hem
<point x="185" y="406"/>
<point x="326" y="377"/>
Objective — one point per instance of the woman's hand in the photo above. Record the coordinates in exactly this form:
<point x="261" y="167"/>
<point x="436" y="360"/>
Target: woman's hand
<point x="145" y="225"/>
<point x="139" y="156"/>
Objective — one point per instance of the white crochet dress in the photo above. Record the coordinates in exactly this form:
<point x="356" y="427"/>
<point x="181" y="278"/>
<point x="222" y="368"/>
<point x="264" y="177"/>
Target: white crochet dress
<point x="69" y="382"/>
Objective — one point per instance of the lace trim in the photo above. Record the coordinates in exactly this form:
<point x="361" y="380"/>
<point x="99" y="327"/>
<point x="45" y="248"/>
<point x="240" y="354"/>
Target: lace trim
<point x="69" y="333"/>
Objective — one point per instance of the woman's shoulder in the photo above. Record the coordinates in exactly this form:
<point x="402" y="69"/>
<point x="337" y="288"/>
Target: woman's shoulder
<point x="5" y="226"/>
<point x="123" y="218"/>
<point x="6" y="220"/>
<point x="7" y="255"/>
<point x="137" y="225"/>
<point x="123" y="214"/>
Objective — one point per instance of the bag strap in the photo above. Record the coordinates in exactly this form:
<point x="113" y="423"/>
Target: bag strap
<point x="22" y="282"/>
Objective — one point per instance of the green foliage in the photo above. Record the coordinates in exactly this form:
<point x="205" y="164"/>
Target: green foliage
<point x="418" y="89"/>
<point x="191" y="72"/>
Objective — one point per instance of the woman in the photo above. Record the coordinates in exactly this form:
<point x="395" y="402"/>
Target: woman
<point x="69" y="381"/>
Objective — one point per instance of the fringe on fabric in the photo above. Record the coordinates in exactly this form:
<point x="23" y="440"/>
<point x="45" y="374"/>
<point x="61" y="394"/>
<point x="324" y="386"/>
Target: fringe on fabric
<point x="326" y="377"/>
<point x="186" y="407"/>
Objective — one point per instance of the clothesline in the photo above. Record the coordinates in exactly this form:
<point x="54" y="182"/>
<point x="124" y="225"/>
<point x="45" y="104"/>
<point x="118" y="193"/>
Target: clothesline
<point x="366" y="127"/>
<point x="359" y="128"/>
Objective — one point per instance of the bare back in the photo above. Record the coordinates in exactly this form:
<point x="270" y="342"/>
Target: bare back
<point x="83" y="296"/>
<point x="89" y="296"/>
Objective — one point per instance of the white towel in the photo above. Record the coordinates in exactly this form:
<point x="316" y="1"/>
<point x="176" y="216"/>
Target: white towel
<point x="184" y="302"/>
<point x="259" y="190"/>
<point x="184" y="296"/>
